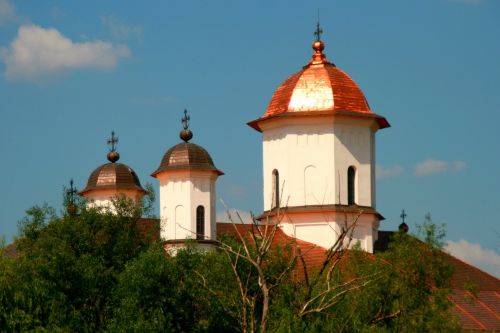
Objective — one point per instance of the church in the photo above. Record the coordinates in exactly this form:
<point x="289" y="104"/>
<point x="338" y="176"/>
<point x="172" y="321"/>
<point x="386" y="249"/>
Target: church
<point x="318" y="139"/>
<point x="319" y="149"/>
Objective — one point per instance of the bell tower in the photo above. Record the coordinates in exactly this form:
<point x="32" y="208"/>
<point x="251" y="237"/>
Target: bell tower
<point x="318" y="136"/>
<point x="112" y="180"/>
<point x="187" y="177"/>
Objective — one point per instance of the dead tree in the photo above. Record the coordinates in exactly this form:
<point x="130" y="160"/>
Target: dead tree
<point x="255" y="243"/>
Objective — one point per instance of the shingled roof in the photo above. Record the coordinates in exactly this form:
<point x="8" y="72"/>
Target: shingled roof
<point x="476" y="296"/>
<point x="311" y="255"/>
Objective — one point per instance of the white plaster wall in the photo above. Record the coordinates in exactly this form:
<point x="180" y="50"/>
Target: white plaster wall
<point x="181" y="192"/>
<point x="354" y="146"/>
<point x="104" y="198"/>
<point x="323" y="228"/>
<point x="303" y="155"/>
<point x="173" y="249"/>
<point x="312" y="155"/>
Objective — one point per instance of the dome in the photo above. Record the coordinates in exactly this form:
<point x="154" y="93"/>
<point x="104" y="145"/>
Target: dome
<point x="319" y="87"/>
<point x="113" y="176"/>
<point x="186" y="156"/>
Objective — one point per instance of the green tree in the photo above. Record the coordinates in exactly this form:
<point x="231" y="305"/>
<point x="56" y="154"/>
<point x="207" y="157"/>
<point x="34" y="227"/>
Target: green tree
<point x="159" y="293"/>
<point x="91" y="271"/>
<point x="67" y="269"/>
<point x="403" y="289"/>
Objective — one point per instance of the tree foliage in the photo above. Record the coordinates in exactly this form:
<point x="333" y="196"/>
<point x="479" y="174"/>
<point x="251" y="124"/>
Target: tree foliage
<point x="93" y="272"/>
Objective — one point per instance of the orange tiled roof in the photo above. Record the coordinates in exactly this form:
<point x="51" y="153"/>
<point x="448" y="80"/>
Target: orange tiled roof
<point x="312" y="254"/>
<point x="317" y="88"/>
<point x="476" y="296"/>
<point x="148" y="228"/>
<point x="10" y="251"/>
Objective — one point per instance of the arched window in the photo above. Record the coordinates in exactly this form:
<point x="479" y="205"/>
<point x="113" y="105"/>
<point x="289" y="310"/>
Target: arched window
<point x="276" y="189"/>
<point x="351" y="189"/>
<point x="200" y="222"/>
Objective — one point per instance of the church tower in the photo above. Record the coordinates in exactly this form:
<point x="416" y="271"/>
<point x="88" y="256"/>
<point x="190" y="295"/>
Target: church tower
<point x="112" y="180"/>
<point x="187" y="177"/>
<point x="318" y="137"/>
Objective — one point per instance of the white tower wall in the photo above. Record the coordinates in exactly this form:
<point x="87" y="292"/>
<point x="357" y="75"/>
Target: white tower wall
<point x="312" y="156"/>
<point x="181" y="192"/>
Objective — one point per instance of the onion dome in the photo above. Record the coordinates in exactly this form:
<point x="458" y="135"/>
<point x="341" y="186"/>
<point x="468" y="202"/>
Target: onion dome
<point x="186" y="155"/>
<point x="319" y="87"/>
<point x="113" y="175"/>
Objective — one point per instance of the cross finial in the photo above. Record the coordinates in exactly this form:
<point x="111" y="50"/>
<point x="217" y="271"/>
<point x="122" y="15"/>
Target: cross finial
<point x="185" y="120"/>
<point x="318" y="31"/>
<point x="71" y="191"/>
<point x="186" y="134"/>
<point x="403" y="215"/>
<point x="113" y="141"/>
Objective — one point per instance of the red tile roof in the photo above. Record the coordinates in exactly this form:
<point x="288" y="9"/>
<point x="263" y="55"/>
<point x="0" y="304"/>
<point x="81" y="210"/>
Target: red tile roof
<point x="148" y="228"/>
<point x="313" y="255"/>
<point x="476" y="296"/>
<point x="10" y="251"/>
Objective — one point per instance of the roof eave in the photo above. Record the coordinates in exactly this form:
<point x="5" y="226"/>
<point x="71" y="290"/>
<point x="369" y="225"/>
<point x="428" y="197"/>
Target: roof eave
<point x="321" y="208"/>
<point x="381" y="121"/>
<point x="162" y="170"/>
<point x="111" y="187"/>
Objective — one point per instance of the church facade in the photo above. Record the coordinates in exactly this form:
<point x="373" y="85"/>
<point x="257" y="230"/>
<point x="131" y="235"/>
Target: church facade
<point x="318" y="137"/>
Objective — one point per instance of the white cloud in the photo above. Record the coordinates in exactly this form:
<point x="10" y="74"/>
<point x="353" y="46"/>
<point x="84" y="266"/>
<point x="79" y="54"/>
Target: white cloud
<point x="119" y="29"/>
<point x="7" y="11"/>
<point x="390" y="172"/>
<point x="38" y="53"/>
<point x="485" y="259"/>
<point x="432" y="167"/>
<point x="222" y="216"/>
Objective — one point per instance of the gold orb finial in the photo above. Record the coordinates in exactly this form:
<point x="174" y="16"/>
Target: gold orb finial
<point x="318" y="46"/>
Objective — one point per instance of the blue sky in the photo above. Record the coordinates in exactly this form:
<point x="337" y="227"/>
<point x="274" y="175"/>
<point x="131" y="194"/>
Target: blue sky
<point x="431" y="67"/>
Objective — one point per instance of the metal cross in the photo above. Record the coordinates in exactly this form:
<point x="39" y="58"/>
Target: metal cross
<point x="185" y="120"/>
<point x="403" y="215"/>
<point x="71" y="192"/>
<point x="318" y="32"/>
<point x="113" y="141"/>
